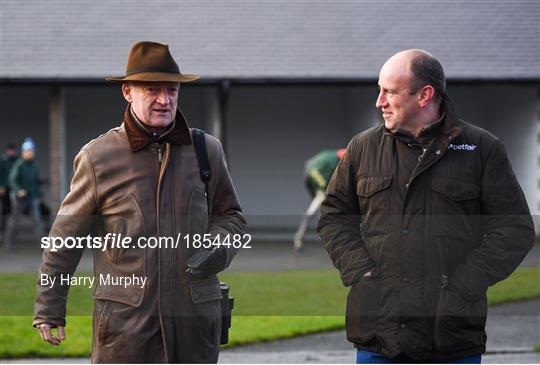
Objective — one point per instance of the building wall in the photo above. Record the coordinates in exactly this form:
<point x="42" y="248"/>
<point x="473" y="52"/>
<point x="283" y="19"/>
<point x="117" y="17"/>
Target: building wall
<point x="272" y="135"/>
<point x="24" y="113"/>
<point x="92" y="111"/>
<point x="273" y="130"/>
<point x="510" y="112"/>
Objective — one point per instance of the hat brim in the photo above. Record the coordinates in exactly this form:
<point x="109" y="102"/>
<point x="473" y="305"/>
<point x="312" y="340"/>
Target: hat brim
<point x="154" y="77"/>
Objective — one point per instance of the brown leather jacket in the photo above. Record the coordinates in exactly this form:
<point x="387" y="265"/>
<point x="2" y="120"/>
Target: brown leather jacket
<point x="124" y="183"/>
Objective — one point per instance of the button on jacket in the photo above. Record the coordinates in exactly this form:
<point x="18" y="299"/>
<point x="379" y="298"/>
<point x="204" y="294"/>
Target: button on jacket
<point x="128" y="184"/>
<point x="436" y="223"/>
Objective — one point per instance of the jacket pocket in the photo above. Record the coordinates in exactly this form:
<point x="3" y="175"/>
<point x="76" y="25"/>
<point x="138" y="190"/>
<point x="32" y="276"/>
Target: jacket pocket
<point x="455" y="203"/>
<point x="459" y="324"/>
<point x="123" y="218"/>
<point x="374" y="203"/>
<point x="205" y="290"/>
<point x="131" y="295"/>
<point x="102" y="321"/>
<point x="204" y="318"/>
<point x="197" y="217"/>
<point x="455" y="190"/>
<point x="115" y="322"/>
<point x="363" y="310"/>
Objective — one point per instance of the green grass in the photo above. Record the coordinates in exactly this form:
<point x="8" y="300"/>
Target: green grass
<point x="269" y="305"/>
<point x="536" y="348"/>
<point x="521" y="285"/>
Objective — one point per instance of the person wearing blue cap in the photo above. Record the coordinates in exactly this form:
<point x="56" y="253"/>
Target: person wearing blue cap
<point x="23" y="182"/>
<point x="6" y="163"/>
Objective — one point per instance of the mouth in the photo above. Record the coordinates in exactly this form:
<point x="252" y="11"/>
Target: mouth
<point x="161" y="111"/>
<point x="386" y="114"/>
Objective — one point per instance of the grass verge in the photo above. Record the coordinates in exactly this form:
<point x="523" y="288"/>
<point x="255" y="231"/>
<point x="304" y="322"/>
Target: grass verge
<point x="269" y="305"/>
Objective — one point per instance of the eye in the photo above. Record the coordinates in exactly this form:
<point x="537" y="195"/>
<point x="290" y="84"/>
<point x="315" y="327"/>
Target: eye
<point x="384" y="91"/>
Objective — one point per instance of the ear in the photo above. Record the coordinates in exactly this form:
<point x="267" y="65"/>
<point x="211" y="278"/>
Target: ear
<point x="127" y="92"/>
<point x="425" y="95"/>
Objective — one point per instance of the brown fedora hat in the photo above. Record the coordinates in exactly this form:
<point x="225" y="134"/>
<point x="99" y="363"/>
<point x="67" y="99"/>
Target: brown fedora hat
<point x="152" y="62"/>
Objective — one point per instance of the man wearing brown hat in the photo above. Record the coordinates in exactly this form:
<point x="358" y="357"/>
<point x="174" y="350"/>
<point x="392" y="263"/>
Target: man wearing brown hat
<point x="142" y="180"/>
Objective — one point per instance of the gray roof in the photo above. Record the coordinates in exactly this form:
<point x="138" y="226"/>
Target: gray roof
<point x="250" y="39"/>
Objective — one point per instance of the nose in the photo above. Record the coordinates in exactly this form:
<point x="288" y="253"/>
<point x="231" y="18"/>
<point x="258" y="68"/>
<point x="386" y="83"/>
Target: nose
<point x="163" y="96"/>
<point x="381" y="100"/>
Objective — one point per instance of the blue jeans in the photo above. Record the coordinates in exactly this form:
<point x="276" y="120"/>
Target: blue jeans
<point x="366" y="357"/>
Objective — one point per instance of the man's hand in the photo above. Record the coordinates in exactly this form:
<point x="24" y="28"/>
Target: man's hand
<point x="212" y="265"/>
<point x="47" y="335"/>
<point x="2" y="191"/>
<point x="21" y="193"/>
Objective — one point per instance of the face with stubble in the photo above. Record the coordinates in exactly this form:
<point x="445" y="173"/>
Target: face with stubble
<point x="398" y="103"/>
<point x="154" y="103"/>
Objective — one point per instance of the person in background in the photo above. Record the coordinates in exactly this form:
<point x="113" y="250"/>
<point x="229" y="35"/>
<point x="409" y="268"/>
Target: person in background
<point x="6" y="163"/>
<point x="25" y="194"/>
<point x="317" y="173"/>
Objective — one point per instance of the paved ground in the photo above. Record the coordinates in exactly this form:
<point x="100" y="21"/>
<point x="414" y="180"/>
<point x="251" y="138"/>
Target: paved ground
<point x="513" y="330"/>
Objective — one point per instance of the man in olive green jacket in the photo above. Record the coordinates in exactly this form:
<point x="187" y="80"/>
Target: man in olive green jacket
<point x="422" y="215"/>
<point x="6" y="163"/>
<point x="142" y="180"/>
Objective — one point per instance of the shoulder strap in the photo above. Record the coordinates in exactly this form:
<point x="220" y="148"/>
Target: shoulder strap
<point x="199" y="143"/>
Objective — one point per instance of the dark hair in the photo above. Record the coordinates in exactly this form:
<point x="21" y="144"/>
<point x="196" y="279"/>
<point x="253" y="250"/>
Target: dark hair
<point x="427" y="70"/>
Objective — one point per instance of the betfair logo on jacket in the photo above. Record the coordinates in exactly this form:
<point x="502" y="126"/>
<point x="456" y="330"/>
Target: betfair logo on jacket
<point x="462" y="147"/>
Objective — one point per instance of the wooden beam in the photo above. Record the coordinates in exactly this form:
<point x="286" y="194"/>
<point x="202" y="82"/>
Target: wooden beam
<point x="57" y="139"/>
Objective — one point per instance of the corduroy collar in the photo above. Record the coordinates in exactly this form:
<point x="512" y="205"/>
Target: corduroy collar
<point x="139" y="138"/>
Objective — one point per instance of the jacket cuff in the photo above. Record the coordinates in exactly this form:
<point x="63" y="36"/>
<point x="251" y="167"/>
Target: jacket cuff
<point x="54" y="322"/>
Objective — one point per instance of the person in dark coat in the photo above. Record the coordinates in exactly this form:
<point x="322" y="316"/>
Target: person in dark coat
<point x="317" y="173"/>
<point x="421" y="217"/>
<point x="6" y="163"/>
<point x="25" y="194"/>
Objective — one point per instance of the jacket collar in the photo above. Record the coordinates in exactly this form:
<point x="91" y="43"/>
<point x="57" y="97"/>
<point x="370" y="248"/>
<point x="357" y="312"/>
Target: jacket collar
<point x="451" y="126"/>
<point x="139" y="137"/>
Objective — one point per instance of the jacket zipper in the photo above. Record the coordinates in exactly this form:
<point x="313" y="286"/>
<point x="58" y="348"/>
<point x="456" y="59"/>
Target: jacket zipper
<point x="163" y="158"/>
<point x="160" y="155"/>
<point x="422" y="155"/>
<point x="161" y="169"/>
